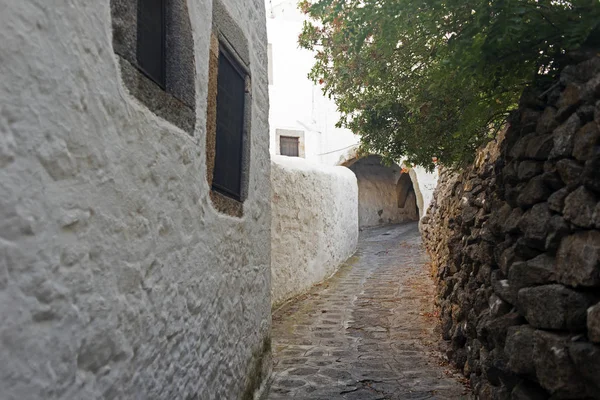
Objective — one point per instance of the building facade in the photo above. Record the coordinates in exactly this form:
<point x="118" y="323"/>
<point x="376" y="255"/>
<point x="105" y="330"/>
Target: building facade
<point x="135" y="207"/>
<point x="302" y="120"/>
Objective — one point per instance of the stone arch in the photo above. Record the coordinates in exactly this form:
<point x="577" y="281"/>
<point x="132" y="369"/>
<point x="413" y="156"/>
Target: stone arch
<point x="406" y="197"/>
<point x="352" y="160"/>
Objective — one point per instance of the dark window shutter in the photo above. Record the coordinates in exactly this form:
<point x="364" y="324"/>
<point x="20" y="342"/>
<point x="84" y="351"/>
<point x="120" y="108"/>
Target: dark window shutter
<point x="151" y="34"/>
<point x="231" y="83"/>
<point x="288" y="146"/>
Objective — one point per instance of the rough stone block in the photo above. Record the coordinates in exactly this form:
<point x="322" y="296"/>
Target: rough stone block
<point x="569" y="100"/>
<point x="564" y="137"/>
<point x="579" y="207"/>
<point x="519" y="349"/>
<point x="556" y="201"/>
<point x="593" y="323"/>
<point x="554" y="368"/>
<point x="570" y="172"/>
<point x="578" y="259"/>
<point x="552" y="180"/>
<point x="528" y="169"/>
<point x="580" y="72"/>
<point x="586" y="357"/>
<point x="538" y="147"/>
<point x="503" y="288"/>
<point x="498" y="218"/>
<point x="547" y="121"/>
<point x="498" y="307"/>
<point x="524" y="250"/>
<point x="511" y="223"/>
<point x="495" y="369"/>
<point x="534" y="192"/>
<point x="535" y="224"/>
<point x="537" y="271"/>
<point x="587" y="142"/>
<point x="554" y="307"/>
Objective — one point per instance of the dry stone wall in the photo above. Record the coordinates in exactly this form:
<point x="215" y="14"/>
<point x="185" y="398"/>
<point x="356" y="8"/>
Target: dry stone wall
<point x="515" y="245"/>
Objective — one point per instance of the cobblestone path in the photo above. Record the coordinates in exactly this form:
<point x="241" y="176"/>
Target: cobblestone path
<point x="368" y="332"/>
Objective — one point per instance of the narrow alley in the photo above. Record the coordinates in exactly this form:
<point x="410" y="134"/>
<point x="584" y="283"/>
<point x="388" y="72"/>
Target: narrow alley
<point x="366" y="333"/>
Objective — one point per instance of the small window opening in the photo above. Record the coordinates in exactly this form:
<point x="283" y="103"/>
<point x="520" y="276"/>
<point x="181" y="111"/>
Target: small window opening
<point x="289" y="146"/>
<point x="151" y="40"/>
<point x="231" y="83"/>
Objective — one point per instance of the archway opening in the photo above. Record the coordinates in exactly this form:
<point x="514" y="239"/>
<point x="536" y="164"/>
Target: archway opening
<point x="380" y="187"/>
<point x="407" y="198"/>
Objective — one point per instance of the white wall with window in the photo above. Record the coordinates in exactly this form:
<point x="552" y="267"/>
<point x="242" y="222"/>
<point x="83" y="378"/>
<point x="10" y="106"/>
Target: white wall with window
<point x="297" y="104"/>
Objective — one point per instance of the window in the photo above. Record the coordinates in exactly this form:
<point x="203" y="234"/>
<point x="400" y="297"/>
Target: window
<point x="289" y="146"/>
<point x="228" y="114"/>
<point x="231" y="82"/>
<point x="153" y="39"/>
<point x="290" y="142"/>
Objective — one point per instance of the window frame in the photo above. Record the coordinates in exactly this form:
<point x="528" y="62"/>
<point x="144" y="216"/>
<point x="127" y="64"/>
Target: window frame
<point x="300" y="134"/>
<point x="227" y="34"/>
<point x="175" y="99"/>
<point x="237" y="65"/>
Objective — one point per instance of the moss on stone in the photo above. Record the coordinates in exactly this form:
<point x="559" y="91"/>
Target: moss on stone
<point x="255" y="375"/>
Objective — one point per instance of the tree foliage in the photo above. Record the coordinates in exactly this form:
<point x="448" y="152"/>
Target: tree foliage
<point x="423" y="79"/>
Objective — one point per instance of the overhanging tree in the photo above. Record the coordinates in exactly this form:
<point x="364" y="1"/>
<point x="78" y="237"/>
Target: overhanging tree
<point x="424" y="79"/>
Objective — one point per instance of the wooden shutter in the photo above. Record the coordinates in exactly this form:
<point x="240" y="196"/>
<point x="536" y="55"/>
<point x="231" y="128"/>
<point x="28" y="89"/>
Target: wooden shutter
<point x="151" y="39"/>
<point x="231" y="84"/>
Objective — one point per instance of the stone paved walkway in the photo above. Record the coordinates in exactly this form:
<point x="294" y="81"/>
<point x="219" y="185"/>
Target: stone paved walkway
<point x="368" y="332"/>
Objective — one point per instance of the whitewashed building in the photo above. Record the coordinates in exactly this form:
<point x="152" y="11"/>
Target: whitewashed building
<point x="302" y="123"/>
<point x="302" y="120"/>
<point x="134" y="206"/>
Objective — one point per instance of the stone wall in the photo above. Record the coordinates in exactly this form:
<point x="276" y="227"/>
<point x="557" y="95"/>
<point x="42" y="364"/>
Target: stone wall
<point x="314" y="223"/>
<point x="118" y="278"/>
<point x="515" y="244"/>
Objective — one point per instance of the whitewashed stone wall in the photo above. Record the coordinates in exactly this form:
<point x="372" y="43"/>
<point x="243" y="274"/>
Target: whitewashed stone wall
<point x="118" y="279"/>
<point x="314" y="223"/>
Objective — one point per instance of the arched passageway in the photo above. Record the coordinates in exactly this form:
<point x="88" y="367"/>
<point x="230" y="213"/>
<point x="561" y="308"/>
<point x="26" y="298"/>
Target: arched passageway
<point x="386" y="195"/>
<point x="407" y="198"/>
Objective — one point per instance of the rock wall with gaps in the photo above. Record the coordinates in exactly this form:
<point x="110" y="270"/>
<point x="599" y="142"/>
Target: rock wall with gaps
<point x="314" y="225"/>
<point x="515" y="245"/>
<point x="118" y="277"/>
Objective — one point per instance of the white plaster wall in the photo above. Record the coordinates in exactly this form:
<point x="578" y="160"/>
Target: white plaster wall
<point x="314" y="223"/>
<point x="297" y="103"/>
<point x="118" y="279"/>
<point x="424" y="184"/>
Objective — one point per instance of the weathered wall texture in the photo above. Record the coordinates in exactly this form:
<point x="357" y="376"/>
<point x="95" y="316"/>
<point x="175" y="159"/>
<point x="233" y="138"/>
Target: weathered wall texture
<point x="515" y="242"/>
<point x="314" y="224"/>
<point x="378" y="193"/>
<point x="118" y="279"/>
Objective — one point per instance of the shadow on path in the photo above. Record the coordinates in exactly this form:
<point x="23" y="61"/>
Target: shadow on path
<point x="368" y="332"/>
